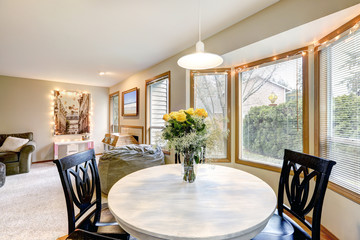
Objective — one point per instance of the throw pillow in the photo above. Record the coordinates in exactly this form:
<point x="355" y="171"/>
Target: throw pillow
<point x="13" y="144"/>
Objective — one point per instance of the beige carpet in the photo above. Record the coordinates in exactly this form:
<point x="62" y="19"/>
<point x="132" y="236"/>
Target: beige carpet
<point x="32" y="205"/>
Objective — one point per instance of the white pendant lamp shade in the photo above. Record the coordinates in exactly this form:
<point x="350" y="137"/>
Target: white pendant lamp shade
<point x="200" y="59"/>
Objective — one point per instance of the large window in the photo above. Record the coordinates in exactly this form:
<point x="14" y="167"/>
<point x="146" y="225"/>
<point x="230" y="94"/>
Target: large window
<point x="339" y="88"/>
<point x="271" y="101"/>
<point x="210" y="89"/>
<point x="114" y="112"/>
<point x="157" y="102"/>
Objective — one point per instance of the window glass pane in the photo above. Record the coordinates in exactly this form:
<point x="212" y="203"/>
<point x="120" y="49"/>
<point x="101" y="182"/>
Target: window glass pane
<point x="114" y="113"/>
<point x="272" y="111"/>
<point x="210" y="93"/>
<point x="340" y="109"/>
<point x="158" y="107"/>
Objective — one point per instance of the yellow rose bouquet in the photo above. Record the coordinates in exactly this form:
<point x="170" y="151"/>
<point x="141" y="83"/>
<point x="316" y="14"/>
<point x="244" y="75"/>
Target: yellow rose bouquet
<point x="186" y="131"/>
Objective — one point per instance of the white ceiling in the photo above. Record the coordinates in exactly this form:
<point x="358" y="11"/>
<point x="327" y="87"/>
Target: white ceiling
<point x="71" y="41"/>
<point x="301" y="36"/>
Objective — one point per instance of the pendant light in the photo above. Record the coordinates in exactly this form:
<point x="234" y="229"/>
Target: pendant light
<point x="200" y="59"/>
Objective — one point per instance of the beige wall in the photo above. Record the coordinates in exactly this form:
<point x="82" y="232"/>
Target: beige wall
<point x="340" y="215"/>
<point x="266" y="23"/>
<point x="25" y="106"/>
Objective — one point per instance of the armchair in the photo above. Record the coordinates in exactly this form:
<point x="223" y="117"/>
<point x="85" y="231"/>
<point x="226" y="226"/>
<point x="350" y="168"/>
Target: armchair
<point x="18" y="162"/>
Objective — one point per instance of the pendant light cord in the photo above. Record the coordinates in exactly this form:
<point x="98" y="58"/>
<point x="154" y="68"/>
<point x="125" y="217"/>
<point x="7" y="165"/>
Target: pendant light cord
<point x="199" y="6"/>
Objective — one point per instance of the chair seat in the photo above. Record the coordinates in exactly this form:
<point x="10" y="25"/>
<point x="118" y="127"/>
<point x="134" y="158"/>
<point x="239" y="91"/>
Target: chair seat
<point x="277" y="229"/>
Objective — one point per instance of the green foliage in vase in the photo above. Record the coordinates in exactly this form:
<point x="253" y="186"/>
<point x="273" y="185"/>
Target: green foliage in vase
<point x="190" y="131"/>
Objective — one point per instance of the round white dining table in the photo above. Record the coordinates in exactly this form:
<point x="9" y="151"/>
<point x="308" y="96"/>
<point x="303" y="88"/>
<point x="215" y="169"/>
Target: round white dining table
<point x="222" y="203"/>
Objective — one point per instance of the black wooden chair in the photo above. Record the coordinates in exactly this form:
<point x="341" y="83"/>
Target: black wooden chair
<point x="297" y="191"/>
<point x="177" y="158"/>
<point x="81" y="184"/>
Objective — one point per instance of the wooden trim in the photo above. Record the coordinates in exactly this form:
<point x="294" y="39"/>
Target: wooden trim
<point x="43" y="161"/>
<point x="305" y="74"/>
<point x="134" y="126"/>
<point x="340" y="30"/>
<point x="192" y="104"/>
<point x="355" y="197"/>
<point x="158" y="78"/>
<point x="329" y="234"/>
<point x="148" y="83"/>
<point x="229" y="78"/>
<point x="306" y="102"/>
<point x="166" y="152"/>
<point x="237" y="118"/>
<point x="192" y="89"/>
<point x="110" y="95"/>
<point x="316" y="104"/>
<point x="271" y="59"/>
<point x="137" y="102"/>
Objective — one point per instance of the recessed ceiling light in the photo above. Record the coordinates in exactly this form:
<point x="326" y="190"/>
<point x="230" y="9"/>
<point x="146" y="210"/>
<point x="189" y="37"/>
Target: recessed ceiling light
<point x="101" y="73"/>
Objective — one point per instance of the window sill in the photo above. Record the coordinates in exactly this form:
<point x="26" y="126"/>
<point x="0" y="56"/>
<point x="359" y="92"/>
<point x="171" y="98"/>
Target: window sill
<point x="259" y="165"/>
<point x="219" y="160"/>
<point x="344" y="192"/>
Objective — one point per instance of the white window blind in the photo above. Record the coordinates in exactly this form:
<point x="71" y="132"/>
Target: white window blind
<point x="271" y="110"/>
<point x="159" y="105"/>
<point x="340" y="109"/>
<point x="211" y="93"/>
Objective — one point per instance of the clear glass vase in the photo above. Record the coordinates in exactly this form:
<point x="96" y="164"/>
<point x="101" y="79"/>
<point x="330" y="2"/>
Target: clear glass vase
<point x="189" y="167"/>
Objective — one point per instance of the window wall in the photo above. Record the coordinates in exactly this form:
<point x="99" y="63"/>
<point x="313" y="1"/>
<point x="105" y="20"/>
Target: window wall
<point x="210" y="89"/>
<point x="158" y="104"/>
<point x="272" y="109"/>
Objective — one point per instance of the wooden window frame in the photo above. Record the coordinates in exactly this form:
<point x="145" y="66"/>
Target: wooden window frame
<point x="305" y="98"/>
<point x="110" y="96"/>
<point x="333" y="186"/>
<point x="137" y="90"/>
<point x="192" y="104"/>
<point x="148" y="83"/>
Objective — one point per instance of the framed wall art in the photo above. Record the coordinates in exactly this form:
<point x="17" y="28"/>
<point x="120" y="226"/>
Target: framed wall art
<point x="130" y="102"/>
<point x="71" y="112"/>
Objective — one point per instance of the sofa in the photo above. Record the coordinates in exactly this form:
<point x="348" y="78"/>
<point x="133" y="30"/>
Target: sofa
<point x="18" y="162"/>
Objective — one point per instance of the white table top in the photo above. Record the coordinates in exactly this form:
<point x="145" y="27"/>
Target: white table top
<point x="222" y="203"/>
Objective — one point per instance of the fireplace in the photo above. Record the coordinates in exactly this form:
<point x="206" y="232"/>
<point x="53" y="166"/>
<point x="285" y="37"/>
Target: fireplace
<point x="135" y="131"/>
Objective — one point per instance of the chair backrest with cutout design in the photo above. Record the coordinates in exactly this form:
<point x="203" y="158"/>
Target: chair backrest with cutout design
<point x="297" y="189"/>
<point x="81" y="184"/>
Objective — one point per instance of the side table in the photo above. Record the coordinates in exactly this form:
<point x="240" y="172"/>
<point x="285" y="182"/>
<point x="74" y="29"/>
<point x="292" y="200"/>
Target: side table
<point x="89" y="143"/>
